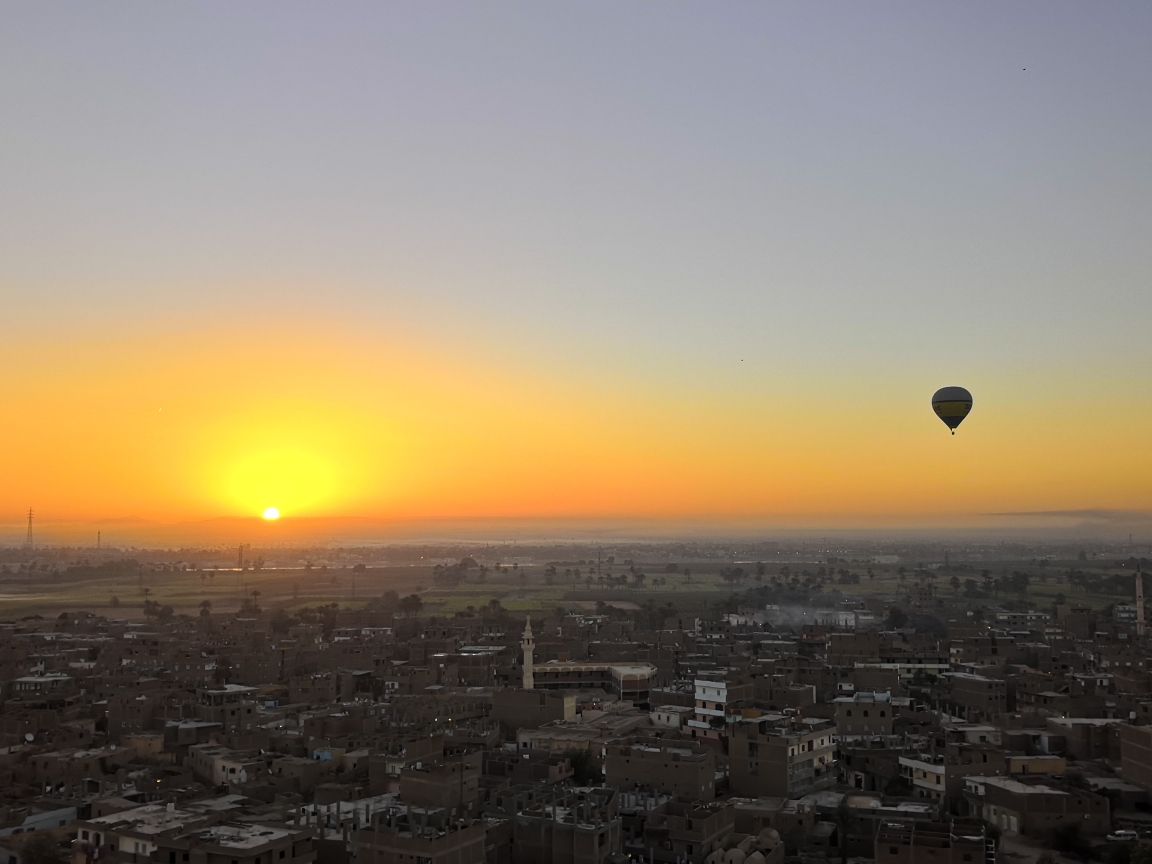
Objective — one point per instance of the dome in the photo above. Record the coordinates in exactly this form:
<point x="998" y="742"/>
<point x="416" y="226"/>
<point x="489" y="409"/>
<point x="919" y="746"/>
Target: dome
<point x="769" y="838"/>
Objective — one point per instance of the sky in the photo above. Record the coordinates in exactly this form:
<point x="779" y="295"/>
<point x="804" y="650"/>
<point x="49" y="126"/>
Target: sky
<point x="605" y="261"/>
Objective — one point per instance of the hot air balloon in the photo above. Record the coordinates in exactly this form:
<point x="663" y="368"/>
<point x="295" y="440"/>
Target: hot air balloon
<point x="952" y="405"/>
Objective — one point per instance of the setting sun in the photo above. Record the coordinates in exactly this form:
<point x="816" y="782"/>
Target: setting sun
<point x="271" y="513"/>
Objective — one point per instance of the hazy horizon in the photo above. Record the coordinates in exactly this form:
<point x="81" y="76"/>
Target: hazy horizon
<point x="1055" y="527"/>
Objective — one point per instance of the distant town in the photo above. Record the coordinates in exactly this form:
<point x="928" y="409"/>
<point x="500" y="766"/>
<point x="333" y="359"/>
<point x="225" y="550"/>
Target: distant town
<point x="703" y="702"/>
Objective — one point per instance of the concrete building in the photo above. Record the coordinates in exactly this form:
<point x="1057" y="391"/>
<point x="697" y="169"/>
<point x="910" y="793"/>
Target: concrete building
<point x="865" y="715"/>
<point x="940" y="775"/>
<point x="671" y="716"/>
<point x="452" y="785"/>
<point x="237" y="843"/>
<point x="572" y="826"/>
<point x="718" y="702"/>
<point x="776" y="756"/>
<point x="975" y="697"/>
<point x="631" y="682"/>
<point x="414" y="835"/>
<point x="688" y="831"/>
<point x="684" y="772"/>
<point x="529" y="709"/>
<point x="932" y="843"/>
<point x="1088" y="738"/>
<point x="1035" y="809"/>
<point x="1136" y="755"/>
<point x="219" y="766"/>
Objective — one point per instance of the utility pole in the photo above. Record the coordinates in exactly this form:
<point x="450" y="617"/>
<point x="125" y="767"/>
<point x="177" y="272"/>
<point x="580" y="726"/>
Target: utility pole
<point x="28" y="537"/>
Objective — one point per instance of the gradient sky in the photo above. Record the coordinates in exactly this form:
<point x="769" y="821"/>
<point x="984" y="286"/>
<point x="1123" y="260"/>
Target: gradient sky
<point x="601" y="260"/>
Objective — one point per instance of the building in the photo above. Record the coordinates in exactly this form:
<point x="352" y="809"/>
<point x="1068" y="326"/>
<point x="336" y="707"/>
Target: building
<point x="573" y="826"/>
<point x="684" y="772"/>
<point x="1034" y="809"/>
<point x="1088" y="738"/>
<point x="671" y="716"/>
<point x="414" y="835"/>
<point x="932" y="843"/>
<point x="940" y="774"/>
<point x="219" y="766"/>
<point x="718" y="702"/>
<point x="138" y="830"/>
<point x="1136" y="755"/>
<point x="237" y="843"/>
<point x="865" y="715"/>
<point x="975" y="697"/>
<point x="452" y="785"/>
<point x="1024" y="620"/>
<point x="631" y="682"/>
<point x="529" y="709"/>
<point x="688" y="831"/>
<point x="778" y="757"/>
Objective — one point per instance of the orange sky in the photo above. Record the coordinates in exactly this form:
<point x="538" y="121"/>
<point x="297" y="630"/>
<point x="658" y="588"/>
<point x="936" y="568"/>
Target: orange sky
<point x="205" y="421"/>
<point x="559" y="261"/>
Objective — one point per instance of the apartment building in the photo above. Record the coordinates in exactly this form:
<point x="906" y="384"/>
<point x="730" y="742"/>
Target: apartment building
<point x="780" y="757"/>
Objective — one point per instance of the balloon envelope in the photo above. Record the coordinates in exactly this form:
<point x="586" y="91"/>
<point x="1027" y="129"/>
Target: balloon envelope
<point x="952" y="405"/>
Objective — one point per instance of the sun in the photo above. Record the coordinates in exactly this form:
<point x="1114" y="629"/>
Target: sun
<point x="271" y="513"/>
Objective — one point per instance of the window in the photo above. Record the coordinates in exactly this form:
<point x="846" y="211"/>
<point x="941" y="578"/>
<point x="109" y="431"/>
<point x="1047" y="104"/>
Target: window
<point x="892" y="850"/>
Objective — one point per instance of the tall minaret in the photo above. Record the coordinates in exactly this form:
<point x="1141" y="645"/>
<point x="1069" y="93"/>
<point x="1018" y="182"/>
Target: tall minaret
<point x="1139" y="603"/>
<point x="528" y="644"/>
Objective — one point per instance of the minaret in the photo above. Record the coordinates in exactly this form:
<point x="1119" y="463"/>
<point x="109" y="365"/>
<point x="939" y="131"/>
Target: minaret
<point x="1139" y="603"/>
<point x="528" y="644"/>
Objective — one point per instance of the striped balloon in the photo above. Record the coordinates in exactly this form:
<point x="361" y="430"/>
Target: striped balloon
<point x="952" y="405"/>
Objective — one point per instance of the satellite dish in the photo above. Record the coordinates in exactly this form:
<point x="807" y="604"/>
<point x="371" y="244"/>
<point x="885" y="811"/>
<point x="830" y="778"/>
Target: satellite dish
<point x="29" y="737"/>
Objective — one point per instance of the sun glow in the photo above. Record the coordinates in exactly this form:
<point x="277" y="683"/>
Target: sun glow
<point x="271" y="513"/>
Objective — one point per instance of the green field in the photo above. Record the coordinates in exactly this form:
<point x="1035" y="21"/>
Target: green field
<point x="528" y="589"/>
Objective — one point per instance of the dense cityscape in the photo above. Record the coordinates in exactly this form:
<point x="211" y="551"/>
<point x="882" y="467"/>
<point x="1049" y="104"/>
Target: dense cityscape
<point x="675" y="702"/>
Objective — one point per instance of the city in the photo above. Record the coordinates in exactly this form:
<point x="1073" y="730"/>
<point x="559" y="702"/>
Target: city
<point x="708" y="708"/>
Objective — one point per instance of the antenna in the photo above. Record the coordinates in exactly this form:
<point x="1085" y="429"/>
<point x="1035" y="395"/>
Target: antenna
<point x="28" y="537"/>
